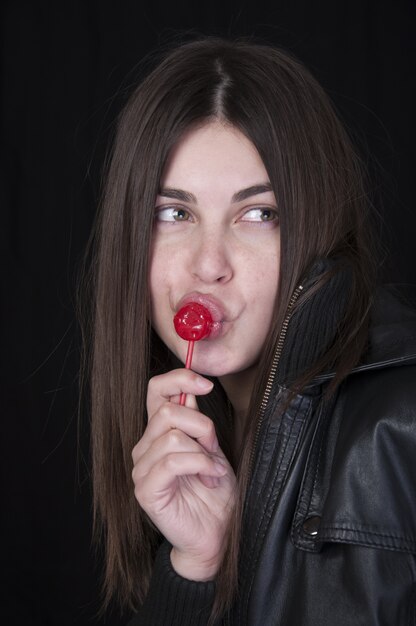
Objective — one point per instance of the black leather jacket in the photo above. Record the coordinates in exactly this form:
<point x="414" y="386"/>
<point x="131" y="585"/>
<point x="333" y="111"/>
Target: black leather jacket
<point x="329" y="533"/>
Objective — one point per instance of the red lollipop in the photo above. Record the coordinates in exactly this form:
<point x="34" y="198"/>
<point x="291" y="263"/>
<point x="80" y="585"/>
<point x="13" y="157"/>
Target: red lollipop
<point x="192" y="323"/>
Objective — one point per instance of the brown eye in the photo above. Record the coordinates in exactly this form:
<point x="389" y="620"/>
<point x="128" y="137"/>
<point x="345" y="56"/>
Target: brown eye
<point x="266" y="215"/>
<point x="180" y="215"/>
<point x="172" y="214"/>
<point x="260" y="214"/>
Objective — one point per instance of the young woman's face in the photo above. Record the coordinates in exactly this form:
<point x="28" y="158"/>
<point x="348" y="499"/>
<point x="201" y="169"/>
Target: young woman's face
<point x="216" y="241"/>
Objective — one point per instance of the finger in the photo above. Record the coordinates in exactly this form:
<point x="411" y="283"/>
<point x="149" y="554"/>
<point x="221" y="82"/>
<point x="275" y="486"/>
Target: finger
<point x="157" y="488"/>
<point x="173" y="441"/>
<point x="211" y="482"/>
<point x="172" y="384"/>
<point x="172" y="416"/>
<point x="190" y="400"/>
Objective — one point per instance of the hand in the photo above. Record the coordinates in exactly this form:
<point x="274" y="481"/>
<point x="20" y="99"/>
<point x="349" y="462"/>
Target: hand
<point x="182" y="479"/>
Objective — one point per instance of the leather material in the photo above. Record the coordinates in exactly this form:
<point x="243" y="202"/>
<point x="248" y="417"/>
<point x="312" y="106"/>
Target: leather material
<point x="329" y="529"/>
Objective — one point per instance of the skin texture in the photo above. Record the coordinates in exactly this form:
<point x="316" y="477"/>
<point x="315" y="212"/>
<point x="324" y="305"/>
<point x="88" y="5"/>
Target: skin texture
<point x="220" y="248"/>
<point x="218" y="245"/>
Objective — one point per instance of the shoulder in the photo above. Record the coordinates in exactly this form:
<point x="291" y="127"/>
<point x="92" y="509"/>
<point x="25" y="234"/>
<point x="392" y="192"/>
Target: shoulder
<point x="373" y="482"/>
<point x="379" y="399"/>
<point x="379" y="396"/>
<point x="360" y="480"/>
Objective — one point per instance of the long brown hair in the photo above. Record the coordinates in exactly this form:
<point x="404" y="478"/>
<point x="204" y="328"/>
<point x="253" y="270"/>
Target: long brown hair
<point x="317" y="180"/>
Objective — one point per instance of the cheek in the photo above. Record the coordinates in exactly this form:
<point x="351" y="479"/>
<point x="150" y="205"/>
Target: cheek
<point x="263" y="281"/>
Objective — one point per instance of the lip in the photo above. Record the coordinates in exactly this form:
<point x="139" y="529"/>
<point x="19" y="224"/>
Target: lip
<point x="214" y="306"/>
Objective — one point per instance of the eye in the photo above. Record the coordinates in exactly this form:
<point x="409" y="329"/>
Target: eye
<point x="172" y="214"/>
<point x="260" y="214"/>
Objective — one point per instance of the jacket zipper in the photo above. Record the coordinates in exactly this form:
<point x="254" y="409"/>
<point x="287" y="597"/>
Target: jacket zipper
<point x="273" y="370"/>
<point x="269" y="385"/>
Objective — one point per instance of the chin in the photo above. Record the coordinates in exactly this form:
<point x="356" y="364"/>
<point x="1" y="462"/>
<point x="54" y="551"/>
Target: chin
<point x="212" y="372"/>
<point x="215" y="367"/>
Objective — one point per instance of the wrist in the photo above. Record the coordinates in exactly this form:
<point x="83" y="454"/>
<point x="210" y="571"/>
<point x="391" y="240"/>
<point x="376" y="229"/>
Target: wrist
<point x="194" y="568"/>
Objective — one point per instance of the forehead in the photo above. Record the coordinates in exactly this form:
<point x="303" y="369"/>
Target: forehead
<point x="216" y="152"/>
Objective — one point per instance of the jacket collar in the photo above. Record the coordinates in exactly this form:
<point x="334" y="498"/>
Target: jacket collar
<point x="392" y="335"/>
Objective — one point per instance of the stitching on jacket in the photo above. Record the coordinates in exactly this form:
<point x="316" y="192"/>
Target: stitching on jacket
<point x="327" y="409"/>
<point x="374" y="530"/>
<point x="273" y="407"/>
<point x="260" y="536"/>
<point x="275" y="472"/>
<point x="256" y="532"/>
<point x="323" y="413"/>
<point x="370" y="366"/>
<point x="309" y="499"/>
<point x="368" y="544"/>
<point x="271" y="490"/>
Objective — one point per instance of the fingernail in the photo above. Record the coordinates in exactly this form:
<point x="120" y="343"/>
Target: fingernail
<point x="204" y="383"/>
<point x="215" y="445"/>
<point x="220" y="469"/>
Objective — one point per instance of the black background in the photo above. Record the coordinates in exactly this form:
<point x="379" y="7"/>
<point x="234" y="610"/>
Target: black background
<point x="66" y="70"/>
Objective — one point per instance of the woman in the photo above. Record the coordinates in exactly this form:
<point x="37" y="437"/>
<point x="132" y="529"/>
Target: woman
<point x="281" y="493"/>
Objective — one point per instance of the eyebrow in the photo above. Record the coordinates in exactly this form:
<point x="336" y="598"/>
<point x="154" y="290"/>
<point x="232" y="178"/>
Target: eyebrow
<point x="255" y="190"/>
<point x="239" y="196"/>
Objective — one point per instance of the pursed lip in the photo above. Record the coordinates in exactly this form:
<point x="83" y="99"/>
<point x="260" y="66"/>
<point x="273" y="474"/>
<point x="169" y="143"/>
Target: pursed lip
<point x="214" y="306"/>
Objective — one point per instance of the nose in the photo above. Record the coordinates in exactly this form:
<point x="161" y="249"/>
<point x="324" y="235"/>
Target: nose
<point x="212" y="258"/>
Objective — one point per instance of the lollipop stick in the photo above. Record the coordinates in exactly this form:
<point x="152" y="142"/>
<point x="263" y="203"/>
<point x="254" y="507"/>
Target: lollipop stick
<point x="188" y="363"/>
<point x="189" y="354"/>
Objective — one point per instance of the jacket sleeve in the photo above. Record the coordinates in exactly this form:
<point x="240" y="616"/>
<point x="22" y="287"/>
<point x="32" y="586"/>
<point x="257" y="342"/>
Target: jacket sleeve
<point x="173" y="600"/>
